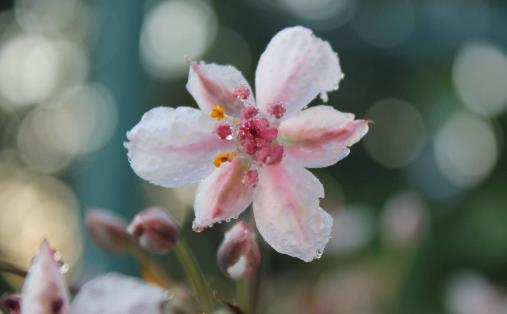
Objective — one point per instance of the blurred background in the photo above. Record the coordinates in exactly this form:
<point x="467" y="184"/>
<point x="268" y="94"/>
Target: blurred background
<point x="420" y="205"/>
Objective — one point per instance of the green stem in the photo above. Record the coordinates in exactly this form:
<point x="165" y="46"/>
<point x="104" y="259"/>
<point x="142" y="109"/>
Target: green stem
<point x="12" y="269"/>
<point x="244" y="294"/>
<point x="193" y="272"/>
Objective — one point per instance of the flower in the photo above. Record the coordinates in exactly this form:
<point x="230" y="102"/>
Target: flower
<point x="45" y="292"/>
<point x="271" y="141"/>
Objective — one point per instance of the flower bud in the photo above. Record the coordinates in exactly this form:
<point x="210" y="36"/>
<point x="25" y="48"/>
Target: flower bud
<point x="11" y="302"/>
<point x="239" y="255"/>
<point x="154" y="230"/>
<point x="108" y="230"/>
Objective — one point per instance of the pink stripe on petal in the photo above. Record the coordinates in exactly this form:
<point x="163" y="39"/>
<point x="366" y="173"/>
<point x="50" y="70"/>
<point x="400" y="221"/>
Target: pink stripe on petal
<point x="295" y="67"/>
<point x="44" y="290"/>
<point x="212" y="84"/>
<point x="321" y="136"/>
<point x="287" y="211"/>
<point x="222" y="195"/>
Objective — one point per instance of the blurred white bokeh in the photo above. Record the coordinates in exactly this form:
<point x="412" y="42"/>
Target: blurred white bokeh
<point x="470" y="293"/>
<point x="480" y="78"/>
<point x="466" y="149"/>
<point x="80" y="121"/>
<point x="398" y="133"/>
<point x="173" y="31"/>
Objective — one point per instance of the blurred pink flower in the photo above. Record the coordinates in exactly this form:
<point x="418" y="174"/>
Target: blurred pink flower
<point x="45" y="292"/>
<point x="248" y="151"/>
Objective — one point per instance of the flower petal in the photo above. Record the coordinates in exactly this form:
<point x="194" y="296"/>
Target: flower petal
<point x="174" y="147"/>
<point x="213" y="84"/>
<point x="114" y="293"/>
<point x="295" y="67"/>
<point x="44" y="290"/>
<point x="222" y="195"/>
<point x="287" y="212"/>
<point x="321" y="136"/>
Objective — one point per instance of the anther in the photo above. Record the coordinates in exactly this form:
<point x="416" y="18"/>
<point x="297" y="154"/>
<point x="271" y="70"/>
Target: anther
<point x="241" y="92"/>
<point x="221" y="158"/>
<point x="224" y="131"/>
<point x="217" y="112"/>
<point x="277" y="110"/>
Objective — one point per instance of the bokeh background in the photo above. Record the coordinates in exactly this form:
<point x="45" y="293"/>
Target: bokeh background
<point x="420" y="205"/>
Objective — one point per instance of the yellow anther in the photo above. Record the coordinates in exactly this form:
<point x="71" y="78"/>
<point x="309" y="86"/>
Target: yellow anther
<point x="221" y="158"/>
<point x="217" y="112"/>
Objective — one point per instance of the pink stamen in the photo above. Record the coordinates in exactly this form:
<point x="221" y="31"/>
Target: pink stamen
<point x="251" y="177"/>
<point x="241" y="92"/>
<point x="249" y="112"/>
<point x="224" y="131"/>
<point x="277" y="110"/>
<point x="258" y="138"/>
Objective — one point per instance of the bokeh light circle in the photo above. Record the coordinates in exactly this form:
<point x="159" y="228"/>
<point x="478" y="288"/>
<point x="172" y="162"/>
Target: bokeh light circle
<point x="173" y="31"/>
<point x="480" y="78"/>
<point x="398" y="133"/>
<point x="466" y="149"/>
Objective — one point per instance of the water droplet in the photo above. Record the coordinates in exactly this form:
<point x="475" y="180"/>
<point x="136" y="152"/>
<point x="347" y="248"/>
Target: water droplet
<point x="64" y="268"/>
<point x="228" y="220"/>
<point x="196" y="228"/>
<point x="318" y="255"/>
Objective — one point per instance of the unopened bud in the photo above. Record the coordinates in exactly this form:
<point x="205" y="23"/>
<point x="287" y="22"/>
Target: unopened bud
<point x="12" y="302"/>
<point x="154" y="230"/>
<point x="239" y="255"/>
<point x="108" y="230"/>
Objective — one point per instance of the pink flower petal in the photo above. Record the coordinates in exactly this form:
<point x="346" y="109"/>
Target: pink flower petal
<point x="295" y="67"/>
<point x="174" y="147"/>
<point x="212" y="84"/>
<point x="287" y="212"/>
<point x="321" y="136"/>
<point x="44" y="290"/>
<point x="115" y="293"/>
<point x="222" y="195"/>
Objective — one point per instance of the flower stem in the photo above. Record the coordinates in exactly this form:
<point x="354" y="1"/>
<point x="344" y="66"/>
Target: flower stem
<point x="7" y="267"/>
<point x="244" y="294"/>
<point x="150" y="270"/>
<point x="193" y="273"/>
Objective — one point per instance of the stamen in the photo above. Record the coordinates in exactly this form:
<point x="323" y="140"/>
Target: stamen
<point x="221" y="158"/>
<point x="277" y="110"/>
<point x="224" y="131"/>
<point x="217" y="112"/>
<point x="241" y="92"/>
<point x="248" y="113"/>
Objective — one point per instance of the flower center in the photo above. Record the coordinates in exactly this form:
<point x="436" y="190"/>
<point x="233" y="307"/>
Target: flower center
<point x="255" y="135"/>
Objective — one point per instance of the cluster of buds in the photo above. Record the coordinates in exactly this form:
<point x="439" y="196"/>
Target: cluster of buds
<point x="152" y="229"/>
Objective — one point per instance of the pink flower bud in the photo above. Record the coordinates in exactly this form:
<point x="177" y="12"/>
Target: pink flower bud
<point x="11" y="302"/>
<point x="108" y="230"/>
<point x="239" y="255"/>
<point x="154" y="230"/>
